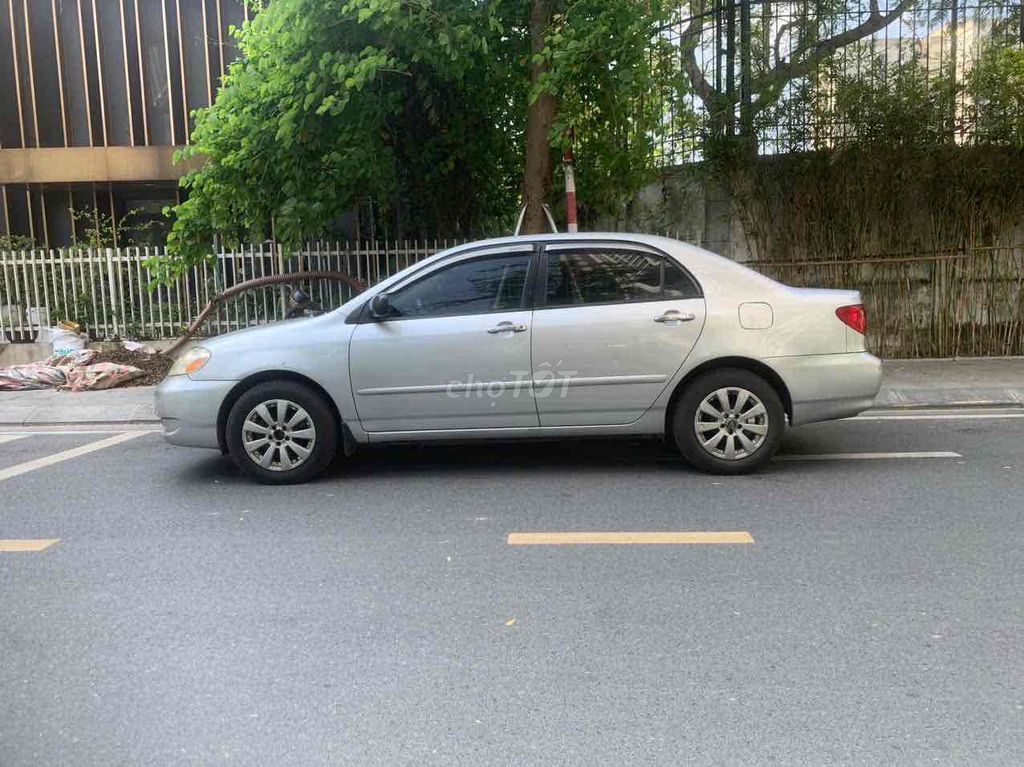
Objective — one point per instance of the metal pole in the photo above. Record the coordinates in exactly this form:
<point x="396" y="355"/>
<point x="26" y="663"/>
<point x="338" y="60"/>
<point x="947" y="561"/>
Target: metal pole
<point x="519" y="221"/>
<point x="570" y="187"/>
<point x="746" y="109"/>
<point x="115" y="309"/>
<point x="730" y="67"/>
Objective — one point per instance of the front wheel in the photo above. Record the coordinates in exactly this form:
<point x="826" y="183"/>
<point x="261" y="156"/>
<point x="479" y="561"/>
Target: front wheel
<point x="728" y="421"/>
<point x="281" y="432"/>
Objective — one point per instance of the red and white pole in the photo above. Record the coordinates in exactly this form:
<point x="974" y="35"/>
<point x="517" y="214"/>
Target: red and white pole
<point x="570" y="189"/>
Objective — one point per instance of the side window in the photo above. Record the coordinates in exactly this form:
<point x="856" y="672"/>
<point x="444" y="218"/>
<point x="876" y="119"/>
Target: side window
<point x="678" y="284"/>
<point x="608" y="276"/>
<point x="489" y="284"/>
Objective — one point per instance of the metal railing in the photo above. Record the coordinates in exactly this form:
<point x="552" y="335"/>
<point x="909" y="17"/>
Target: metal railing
<point x="919" y="305"/>
<point x="737" y="45"/>
<point x="110" y="291"/>
<point x="967" y="304"/>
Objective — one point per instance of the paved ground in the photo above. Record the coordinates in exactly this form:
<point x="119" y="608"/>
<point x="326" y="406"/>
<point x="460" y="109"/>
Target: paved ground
<point x="186" y="617"/>
<point x="996" y="380"/>
<point x="49" y="407"/>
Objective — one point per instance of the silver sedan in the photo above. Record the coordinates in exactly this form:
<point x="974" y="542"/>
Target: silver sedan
<point x="526" y="337"/>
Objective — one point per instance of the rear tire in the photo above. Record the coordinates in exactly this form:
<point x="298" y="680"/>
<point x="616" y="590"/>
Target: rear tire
<point x="281" y="433"/>
<point x="728" y="421"/>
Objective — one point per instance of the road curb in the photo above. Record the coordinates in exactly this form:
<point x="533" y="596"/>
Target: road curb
<point x="1000" y="404"/>
<point x="91" y="422"/>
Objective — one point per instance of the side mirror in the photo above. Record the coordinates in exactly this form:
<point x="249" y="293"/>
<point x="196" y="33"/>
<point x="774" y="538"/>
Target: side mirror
<point x="380" y="306"/>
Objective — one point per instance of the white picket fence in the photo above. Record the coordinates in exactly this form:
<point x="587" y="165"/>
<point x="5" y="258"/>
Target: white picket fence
<point x="110" y="292"/>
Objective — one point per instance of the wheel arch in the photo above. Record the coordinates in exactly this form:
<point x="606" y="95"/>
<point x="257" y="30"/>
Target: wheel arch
<point x="743" y="363"/>
<point x="275" y="375"/>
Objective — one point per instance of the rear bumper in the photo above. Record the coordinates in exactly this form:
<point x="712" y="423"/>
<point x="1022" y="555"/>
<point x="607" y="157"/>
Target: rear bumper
<point x="188" y="410"/>
<point x="824" y="387"/>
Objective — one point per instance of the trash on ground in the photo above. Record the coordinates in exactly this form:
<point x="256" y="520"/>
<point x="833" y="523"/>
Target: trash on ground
<point x="86" y="369"/>
<point x="65" y="338"/>
<point x="138" y="346"/>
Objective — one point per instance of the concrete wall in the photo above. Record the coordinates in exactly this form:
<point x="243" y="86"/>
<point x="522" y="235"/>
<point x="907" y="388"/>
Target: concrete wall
<point x="686" y="205"/>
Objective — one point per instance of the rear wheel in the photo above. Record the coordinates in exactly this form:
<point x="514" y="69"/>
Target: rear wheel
<point x="728" y="421"/>
<point x="281" y="432"/>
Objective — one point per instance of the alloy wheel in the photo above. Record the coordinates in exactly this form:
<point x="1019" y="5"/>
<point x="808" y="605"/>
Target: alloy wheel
<point x="278" y="435"/>
<point x="731" y="423"/>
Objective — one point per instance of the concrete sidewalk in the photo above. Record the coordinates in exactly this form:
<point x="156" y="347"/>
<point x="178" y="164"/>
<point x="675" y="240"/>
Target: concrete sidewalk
<point x="130" y="406"/>
<point x="992" y="381"/>
<point x="906" y="384"/>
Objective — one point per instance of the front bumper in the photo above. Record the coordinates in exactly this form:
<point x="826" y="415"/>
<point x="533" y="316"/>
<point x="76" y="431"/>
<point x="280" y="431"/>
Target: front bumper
<point x="188" y="410"/>
<point x="824" y="387"/>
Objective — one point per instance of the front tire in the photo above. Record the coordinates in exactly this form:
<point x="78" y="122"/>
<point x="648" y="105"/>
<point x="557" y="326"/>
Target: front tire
<point x="728" y="421"/>
<point x="281" y="432"/>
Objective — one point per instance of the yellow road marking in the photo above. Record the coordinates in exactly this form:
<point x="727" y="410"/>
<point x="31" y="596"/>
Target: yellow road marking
<point x="583" y="538"/>
<point x="75" y="452"/>
<point x="39" y="545"/>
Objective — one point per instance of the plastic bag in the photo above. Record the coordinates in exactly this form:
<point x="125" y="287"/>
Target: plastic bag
<point x="65" y="341"/>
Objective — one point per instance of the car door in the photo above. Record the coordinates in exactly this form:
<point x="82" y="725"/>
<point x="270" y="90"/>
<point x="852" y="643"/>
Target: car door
<point x="455" y="351"/>
<point x="612" y="325"/>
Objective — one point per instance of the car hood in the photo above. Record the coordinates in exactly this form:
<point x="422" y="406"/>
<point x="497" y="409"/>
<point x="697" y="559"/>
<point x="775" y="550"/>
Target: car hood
<point x="281" y="332"/>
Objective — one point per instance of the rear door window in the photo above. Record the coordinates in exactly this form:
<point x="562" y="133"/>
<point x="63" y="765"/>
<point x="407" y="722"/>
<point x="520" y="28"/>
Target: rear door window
<point x="576" y="278"/>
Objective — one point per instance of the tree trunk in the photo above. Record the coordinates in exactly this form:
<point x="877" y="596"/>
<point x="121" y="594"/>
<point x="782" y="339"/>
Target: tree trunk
<point x="540" y="116"/>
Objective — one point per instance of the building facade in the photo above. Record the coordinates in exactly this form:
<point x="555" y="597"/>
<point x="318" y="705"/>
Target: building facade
<point x="95" y="98"/>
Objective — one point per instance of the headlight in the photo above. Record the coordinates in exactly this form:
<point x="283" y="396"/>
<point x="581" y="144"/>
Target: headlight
<point x="190" y="362"/>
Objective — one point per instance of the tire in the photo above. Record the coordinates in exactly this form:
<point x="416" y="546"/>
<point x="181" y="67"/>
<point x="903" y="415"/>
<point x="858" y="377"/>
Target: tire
<point x="754" y="430"/>
<point x="302" y="442"/>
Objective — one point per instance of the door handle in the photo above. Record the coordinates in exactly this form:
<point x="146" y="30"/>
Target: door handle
<point x="673" y="315"/>
<point x="504" y="327"/>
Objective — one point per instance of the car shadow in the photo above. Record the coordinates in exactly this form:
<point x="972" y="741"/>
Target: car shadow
<point x="630" y="456"/>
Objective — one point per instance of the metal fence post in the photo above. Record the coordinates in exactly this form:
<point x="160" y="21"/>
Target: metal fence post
<point x="280" y="270"/>
<point x="115" y="309"/>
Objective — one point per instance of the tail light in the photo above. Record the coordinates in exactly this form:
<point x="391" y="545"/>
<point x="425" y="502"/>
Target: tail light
<point x="854" y="316"/>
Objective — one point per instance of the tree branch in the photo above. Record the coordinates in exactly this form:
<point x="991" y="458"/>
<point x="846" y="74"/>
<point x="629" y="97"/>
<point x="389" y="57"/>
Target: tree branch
<point x="704" y="89"/>
<point x="804" y="61"/>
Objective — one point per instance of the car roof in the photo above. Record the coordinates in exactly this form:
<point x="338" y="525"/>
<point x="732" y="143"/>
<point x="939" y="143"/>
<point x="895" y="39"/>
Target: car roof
<point x="707" y="267"/>
<point x="695" y="258"/>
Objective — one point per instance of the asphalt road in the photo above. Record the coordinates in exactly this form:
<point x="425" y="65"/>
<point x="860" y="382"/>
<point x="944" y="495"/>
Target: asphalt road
<point x="187" y="617"/>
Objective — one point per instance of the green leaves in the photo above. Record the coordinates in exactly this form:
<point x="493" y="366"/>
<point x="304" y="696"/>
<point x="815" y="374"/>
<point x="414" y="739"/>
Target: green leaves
<point x="416" y="109"/>
<point x="995" y="93"/>
<point x="616" y="78"/>
<point x="334" y="103"/>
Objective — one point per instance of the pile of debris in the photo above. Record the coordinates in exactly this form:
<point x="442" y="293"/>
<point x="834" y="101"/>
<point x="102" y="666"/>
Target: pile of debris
<point x="72" y="367"/>
<point x="151" y="365"/>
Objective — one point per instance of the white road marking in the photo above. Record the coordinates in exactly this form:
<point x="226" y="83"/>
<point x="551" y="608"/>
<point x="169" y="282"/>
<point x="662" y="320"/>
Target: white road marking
<point x="862" y="456"/>
<point x="934" y="417"/>
<point x="75" y="452"/>
<point x="10" y="437"/>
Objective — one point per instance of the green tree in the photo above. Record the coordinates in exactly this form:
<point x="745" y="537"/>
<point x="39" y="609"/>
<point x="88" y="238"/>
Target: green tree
<point x="429" y="108"/>
<point x="612" y="80"/>
<point x="780" y="51"/>
<point x="995" y="92"/>
<point x="336" y="102"/>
